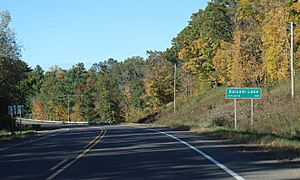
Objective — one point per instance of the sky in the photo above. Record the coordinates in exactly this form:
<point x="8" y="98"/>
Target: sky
<point x="65" y="32"/>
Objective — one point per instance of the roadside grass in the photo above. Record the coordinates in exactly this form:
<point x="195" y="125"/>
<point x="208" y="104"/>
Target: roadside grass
<point x="193" y="113"/>
<point x="268" y="140"/>
<point x="17" y="135"/>
<point x="281" y="147"/>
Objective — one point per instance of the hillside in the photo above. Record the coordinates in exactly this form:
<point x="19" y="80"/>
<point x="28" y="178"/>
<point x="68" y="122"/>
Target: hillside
<point x="274" y="114"/>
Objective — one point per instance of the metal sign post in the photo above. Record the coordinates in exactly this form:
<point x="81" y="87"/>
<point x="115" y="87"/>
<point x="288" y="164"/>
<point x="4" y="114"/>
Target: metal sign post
<point x="19" y="112"/>
<point x="10" y="111"/>
<point x="243" y="93"/>
<point x="235" y="115"/>
<point x="14" y="110"/>
<point x="252" y="109"/>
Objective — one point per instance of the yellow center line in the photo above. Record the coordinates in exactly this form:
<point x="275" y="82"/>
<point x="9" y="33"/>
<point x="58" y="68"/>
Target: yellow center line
<point x="95" y="141"/>
<point x="59" y="164"/>
<point x="91" y="142"/>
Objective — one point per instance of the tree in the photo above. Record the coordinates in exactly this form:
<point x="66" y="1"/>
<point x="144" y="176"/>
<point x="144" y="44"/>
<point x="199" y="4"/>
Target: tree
<point x="9" y="46"/>
<point x="275" y="54"/>
<point x="247" y="67"/>
<point x="200" y="40"/>
<point x="222" y="62"/>
<point x="132" y="87"/>
<point x="218" y="21"/>
<point x="88" y="98"/>
<point x="109" y="90"/>
<point x="12" y="69"/>
<point x="197" y="59"/>
<point x="159" y="80"/>
<point x="51" y="100"/>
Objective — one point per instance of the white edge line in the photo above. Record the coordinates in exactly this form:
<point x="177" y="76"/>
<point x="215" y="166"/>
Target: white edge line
<point x="34" y="140"/>
<point x="222" y="166"/>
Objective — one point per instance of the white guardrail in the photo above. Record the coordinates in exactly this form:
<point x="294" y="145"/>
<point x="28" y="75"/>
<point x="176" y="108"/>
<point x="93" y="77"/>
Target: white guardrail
<point x="37" y="121"/>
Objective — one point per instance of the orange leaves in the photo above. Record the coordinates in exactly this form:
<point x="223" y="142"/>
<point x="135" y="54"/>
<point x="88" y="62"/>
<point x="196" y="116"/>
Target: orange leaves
<point x="38" y="110"/>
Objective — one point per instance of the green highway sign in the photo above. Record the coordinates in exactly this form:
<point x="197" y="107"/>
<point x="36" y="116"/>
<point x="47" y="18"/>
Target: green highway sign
<point x="243" y="93"/>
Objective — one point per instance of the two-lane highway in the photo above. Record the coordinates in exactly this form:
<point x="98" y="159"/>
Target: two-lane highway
<point x="138" y="153"/>
<point x="135" y="152"/>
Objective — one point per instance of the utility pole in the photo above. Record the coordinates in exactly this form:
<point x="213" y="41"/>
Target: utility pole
<point x="20" y="113"/>
<point x="292" y="61"/>
<point x="69" y="108"/>
<point x="175" y="68"/>
<point x="69" y="119"/>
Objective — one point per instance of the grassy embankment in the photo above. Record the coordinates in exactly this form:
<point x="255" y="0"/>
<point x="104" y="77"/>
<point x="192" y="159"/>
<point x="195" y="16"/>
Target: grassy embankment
<point x="6" y="136"/>
<point x="276" y="117"/>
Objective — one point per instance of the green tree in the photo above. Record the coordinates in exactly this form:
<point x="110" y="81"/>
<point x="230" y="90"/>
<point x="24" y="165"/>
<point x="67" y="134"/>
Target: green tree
<point x="109" y="91"/>
<point x="88" y="98"/>
<point x="133" y="85"/>
<point x="51" y="102"/>
<point x="12" y="69"/>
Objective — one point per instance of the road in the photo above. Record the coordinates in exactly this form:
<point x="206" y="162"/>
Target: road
<point x="137" y="152"/>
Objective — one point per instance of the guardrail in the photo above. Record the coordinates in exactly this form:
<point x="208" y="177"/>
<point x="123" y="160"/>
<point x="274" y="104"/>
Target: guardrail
<point x="37" y="121"/>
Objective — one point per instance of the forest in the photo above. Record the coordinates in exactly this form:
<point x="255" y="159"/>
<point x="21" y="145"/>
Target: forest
<point x="230" y="43"/>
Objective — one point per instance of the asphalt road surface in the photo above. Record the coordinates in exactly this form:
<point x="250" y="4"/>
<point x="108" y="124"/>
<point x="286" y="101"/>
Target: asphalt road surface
<point x="136" y="152"/>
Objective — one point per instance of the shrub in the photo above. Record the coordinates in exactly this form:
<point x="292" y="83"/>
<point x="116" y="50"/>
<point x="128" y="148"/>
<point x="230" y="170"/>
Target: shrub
<point x="7" y="123"/>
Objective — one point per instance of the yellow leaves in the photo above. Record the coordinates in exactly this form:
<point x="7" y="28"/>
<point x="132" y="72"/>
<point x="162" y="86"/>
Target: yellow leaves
<point x="159" y="84"/>
<point x="222" y="61"/>
<point x="196" y="58"/>
<point x="260" y="45"/>
<point x="297" y="59"/>
<point x="191" y="66"/>
<point x="296" y="6"/>
<point x="249" y="10"/>
<point x="260" y="48"/>
<point x="275" y="56"/>
<point x="246" y="67"/>
<point x="193" y="50"/>
<point x="183" y="53"/>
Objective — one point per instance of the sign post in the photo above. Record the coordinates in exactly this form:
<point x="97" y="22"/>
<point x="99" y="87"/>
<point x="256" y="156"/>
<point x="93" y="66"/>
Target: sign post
<point x="10" y="111"/>
<point x="243" y="93"/>
<point x="15" y="110"/>
<point x="235" y="115"/>
<point x="252" y="109"/>
<point x="20" y="111"/>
